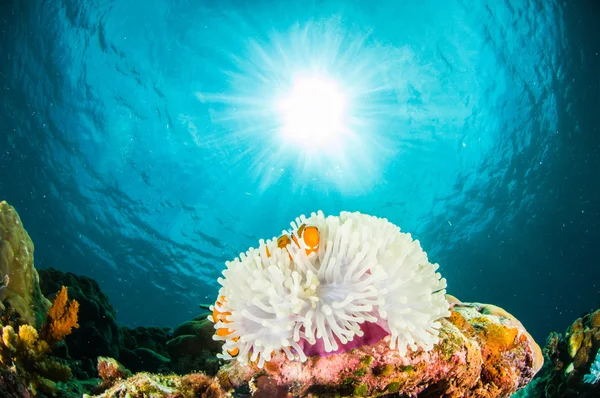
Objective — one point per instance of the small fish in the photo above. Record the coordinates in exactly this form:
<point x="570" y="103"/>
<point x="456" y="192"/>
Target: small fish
<point x="222" y="317"/>
<point x="309" y="235"/>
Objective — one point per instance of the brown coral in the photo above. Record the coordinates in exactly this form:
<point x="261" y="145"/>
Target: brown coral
<point x="61" y="318"/>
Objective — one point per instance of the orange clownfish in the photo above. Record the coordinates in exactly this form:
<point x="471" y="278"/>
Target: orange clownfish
<point x="222" y="316"/>
<point x="309" y="234"/>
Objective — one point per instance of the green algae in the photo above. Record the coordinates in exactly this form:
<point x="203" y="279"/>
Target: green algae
<point x="383" y="370"/>
<point x="359" y="372"/>
<point x="392" y="387"/>
<point x="367" y="360"/>
<point x="360" y="390"/>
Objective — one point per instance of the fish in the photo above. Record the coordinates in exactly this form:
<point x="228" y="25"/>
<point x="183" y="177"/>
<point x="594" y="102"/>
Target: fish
<point x="309" y="235"/>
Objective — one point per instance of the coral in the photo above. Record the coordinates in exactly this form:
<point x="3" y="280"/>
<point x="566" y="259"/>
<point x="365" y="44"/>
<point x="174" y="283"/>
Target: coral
<point x="28" y="354"/>
<point x="98" y="333"/>
<point x="594" y="375"/>
<point x="145" y="349"/>
<point x="11" y="385"/>
<point x="569" y="362"/>
<point x="61" y="318"/>
<point x="20" y="287"/>
<point x="481" y="353"/>
<point x="192" y="347"/>
<point x="142" y="385"/>
<point x="151" y="338"/>
<point x="111" y="371"/>
<point x="327" y="286"/>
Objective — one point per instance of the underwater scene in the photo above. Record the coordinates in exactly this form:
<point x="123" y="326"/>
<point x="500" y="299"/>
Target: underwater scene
<point x="299" y="198"/>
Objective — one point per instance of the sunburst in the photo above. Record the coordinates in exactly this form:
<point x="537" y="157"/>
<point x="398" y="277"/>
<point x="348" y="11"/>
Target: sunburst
<point x="309" y="104"/>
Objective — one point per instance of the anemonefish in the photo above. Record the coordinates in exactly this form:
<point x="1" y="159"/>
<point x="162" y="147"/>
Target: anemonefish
<point x="309" y="235"/>
<point x="222" y="316"/>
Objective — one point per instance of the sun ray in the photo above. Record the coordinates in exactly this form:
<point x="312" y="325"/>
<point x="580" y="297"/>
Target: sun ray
<point x="309" y="101"/>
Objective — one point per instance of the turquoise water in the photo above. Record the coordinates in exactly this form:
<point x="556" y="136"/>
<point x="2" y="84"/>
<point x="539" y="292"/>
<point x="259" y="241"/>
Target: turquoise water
<point x="142" y="146"/>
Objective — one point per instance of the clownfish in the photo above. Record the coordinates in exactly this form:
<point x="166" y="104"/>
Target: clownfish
<point x="222" y="316"/>
<point x="308" y="234"/>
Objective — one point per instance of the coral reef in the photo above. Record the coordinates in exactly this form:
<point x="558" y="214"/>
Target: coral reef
<point x="98" y="332"/>
<point x="594" y="376"/>
<point x="451" y="349"/>
<point x="145" y="349"/>
<point x="20" y="287"/>
<point x="24" y="352"/>
<point x="481" y="353"/>
<point x="11" y="385"/>
<point x="28" y="354"/>
<point x="192" y="348"/>
<point x="569" y="359"/>
<point x="142" y="385"/>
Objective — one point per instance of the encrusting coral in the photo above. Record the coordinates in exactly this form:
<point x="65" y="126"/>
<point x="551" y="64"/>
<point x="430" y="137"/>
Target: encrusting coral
<point x="119" y="382"/>
<point x="481" y="354"/>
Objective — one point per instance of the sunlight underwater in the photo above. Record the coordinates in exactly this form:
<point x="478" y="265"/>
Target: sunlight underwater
<point x="312" y="103"/>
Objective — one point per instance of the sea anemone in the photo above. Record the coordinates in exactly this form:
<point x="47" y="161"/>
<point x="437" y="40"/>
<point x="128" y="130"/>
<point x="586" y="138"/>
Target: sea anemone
<point x="325" y="285"/>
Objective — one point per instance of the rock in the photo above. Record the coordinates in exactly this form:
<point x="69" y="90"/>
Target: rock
<point x="142" y="385"/>
<point x="483" y="352"/>
<point x="20" y="286"/>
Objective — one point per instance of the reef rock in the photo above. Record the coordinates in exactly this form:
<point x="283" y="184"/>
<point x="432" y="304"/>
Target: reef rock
<point x="143" y="385"/>
<point x="483" y="352"/>
<point x="19" y="281"/>
<point x="569" y="357"/>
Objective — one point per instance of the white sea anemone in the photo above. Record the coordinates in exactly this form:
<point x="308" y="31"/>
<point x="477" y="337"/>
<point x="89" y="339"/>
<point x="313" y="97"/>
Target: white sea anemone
<point x="323" y="279"/>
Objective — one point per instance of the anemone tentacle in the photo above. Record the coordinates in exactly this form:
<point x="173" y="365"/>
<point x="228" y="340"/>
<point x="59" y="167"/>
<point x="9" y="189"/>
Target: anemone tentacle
<point x="320" y="282"/>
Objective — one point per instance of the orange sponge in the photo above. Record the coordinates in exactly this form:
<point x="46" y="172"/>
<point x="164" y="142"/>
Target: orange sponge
<point x="61" y="318"/>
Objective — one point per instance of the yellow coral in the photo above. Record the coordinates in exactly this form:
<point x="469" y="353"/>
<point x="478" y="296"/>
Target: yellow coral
<point x="28" y="334"/>
<point x="16" y="262"/>
<point x="61" y="318"/>
<point x="28" y="355"/>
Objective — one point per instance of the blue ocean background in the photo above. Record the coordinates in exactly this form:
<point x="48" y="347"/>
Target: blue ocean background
<point x="136" y="145"/>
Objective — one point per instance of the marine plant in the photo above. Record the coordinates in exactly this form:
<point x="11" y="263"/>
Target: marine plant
<point x="326" y="286"/>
